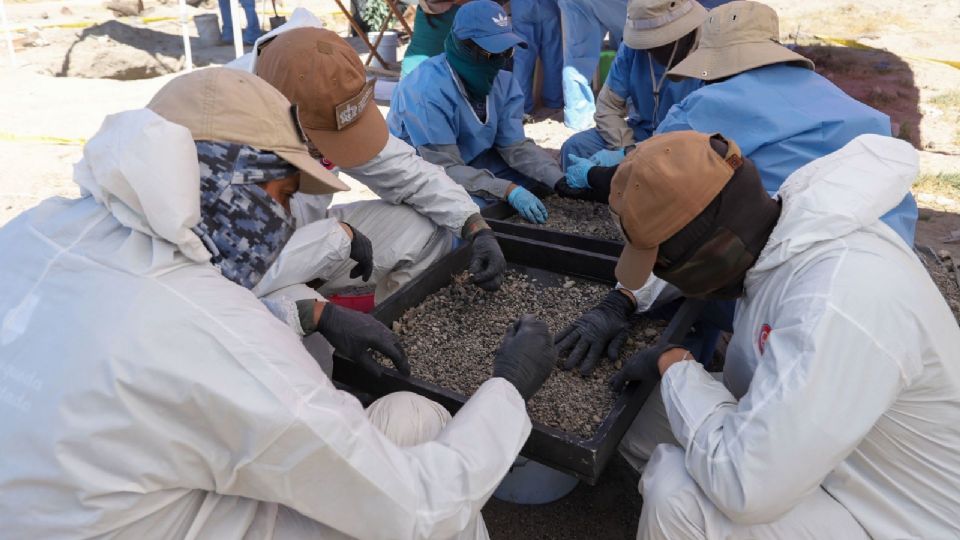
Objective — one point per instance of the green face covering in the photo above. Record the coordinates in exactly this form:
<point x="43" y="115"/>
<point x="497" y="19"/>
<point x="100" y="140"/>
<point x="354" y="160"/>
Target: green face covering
<point x="477" y="74"/>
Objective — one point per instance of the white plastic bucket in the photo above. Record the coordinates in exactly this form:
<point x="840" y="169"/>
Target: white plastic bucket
<point x="529" y="482"/>
<point x="208" y="28"/>
<point x="387" y="48"/>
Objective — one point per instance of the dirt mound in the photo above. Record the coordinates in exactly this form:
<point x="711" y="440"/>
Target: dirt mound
<point x="114" y="50"/>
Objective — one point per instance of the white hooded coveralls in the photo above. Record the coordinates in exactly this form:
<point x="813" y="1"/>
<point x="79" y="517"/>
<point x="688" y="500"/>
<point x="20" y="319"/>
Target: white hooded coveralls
<point x="839" y="411"/>
<point x="143" y="395"/>
<point x="408" y="226"/>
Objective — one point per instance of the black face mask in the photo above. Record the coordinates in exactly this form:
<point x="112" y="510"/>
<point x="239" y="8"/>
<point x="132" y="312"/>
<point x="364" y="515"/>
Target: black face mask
<point x="710" y="256"/>
<point x="663" y="53"/>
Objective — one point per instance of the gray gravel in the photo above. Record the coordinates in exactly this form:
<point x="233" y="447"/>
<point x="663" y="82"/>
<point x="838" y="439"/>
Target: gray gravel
<point x="452" y="336"/>
<point x="577" y="217"/>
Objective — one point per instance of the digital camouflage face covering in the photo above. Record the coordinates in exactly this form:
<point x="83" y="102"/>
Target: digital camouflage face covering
<point x="241" y="225"/>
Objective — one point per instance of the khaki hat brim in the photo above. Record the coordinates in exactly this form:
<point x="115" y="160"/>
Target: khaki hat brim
<point x="710" y="64"/>
<point x="668" y="33"/>
<point x="635" y="265"/>
<point x="315" y="179"/>
<point x="355" y="145"/>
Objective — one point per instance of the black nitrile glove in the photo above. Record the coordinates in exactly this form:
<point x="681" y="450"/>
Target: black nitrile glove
<point x="361" y="250"/>
<point x="602" y="329"/>
<point x="354" y="334"/>
<point x="640" y="366"/>
<point x="526" y="355"/>
<point x="564" y="190"/>
<point x="487" y="263"/>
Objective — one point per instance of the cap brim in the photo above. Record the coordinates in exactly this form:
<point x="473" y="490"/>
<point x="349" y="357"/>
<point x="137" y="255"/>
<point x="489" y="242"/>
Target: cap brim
<point x="500" y="42"/>
<point x="357" y="144"/>
<point x="668" y="33"/>
<point x="315" y="179"/>
<point x="710" y="64"/>
<point x="634" y="267"/>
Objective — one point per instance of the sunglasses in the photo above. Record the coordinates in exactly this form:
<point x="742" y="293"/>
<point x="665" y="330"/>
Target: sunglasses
<point x="480" y="53"/>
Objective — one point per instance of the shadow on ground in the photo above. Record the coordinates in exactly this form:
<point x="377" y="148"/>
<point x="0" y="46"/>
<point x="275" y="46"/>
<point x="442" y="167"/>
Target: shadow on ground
<point x="609" y="510"/>
<point x="878" y="78"/>
<point x="116" y="50"/>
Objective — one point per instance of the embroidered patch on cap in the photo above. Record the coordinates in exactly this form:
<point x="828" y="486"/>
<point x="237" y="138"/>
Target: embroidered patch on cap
<point x="349" y="111"/>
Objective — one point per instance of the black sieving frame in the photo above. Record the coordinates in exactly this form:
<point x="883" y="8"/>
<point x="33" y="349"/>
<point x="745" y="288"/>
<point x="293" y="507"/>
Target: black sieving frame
<point x="583" y="458"/>
<point x="496" y="213"/>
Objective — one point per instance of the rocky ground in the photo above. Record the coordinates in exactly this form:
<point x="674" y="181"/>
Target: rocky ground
<point x="584" y="218"/>
<point x="452" y="336"/>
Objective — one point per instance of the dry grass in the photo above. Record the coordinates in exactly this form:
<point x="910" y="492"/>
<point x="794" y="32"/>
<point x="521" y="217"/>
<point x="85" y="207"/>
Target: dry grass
<point x="941" y="183"/>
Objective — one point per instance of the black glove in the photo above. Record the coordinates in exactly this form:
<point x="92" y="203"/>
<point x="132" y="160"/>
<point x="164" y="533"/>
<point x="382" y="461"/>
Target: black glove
<point x="564" y="190"/>
<point x="487" y="263"/>
<point x="641" y="366"/>
<point x="603" y="328"/>
<point x="354" y="334"/>
<point x="361" y="250"/>
<point x="526" y="355"/>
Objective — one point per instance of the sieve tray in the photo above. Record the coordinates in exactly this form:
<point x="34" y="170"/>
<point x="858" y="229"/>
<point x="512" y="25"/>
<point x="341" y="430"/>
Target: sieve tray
<point x="584" y="458"/>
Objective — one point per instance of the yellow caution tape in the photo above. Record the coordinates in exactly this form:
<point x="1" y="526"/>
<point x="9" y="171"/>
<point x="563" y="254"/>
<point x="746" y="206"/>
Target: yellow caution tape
<point x="41" y="139"/>
<point x="854" y="44"/>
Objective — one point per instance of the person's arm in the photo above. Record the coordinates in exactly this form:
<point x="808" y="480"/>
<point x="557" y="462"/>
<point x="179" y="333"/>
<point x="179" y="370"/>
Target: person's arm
<point x="611" y="119"/>
<point x="473" y="180"/>
<point x="512" y="144"/>
<point x="612" y="111"/>
<point x="819" y="387"/>
<point x="531" y="160"/>
<point x="399" y="176"/>
<point x="313" y="251"/>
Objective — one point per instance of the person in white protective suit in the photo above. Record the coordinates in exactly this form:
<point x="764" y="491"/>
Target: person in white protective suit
<point x="384" y="242"/>
<point x="147" y="393"/>
<point x="838" y="415"/>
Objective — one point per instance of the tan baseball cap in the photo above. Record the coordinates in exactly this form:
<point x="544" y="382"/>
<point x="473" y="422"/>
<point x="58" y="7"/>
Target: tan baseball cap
<point x="737" y="37"/>
<point x="653" y="23"/>
<point x="436" y="7"/>
<point x="322" y="75"/>
<point x="221" y="104"/>
<point x="661" y="187"/>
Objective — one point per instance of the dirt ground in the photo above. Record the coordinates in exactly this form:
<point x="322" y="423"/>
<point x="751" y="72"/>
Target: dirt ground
<point x="893" y="55"/>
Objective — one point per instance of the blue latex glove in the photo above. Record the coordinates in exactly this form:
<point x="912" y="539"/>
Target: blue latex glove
<point x="608" y="158"/>
<point x="528" y="205"/>
<point x="577" y="171"/>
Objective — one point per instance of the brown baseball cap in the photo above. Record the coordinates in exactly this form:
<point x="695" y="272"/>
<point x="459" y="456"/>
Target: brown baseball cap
<point x="322" y="75"/>
<point x="737" y="37"/>
<point x="221" y="104"/>
<point x="661" y="187"/>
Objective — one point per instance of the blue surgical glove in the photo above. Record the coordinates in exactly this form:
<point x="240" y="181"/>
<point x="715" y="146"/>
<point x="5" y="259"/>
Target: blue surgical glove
<point x="577" y="171"/>
<point x="608" y="158"/>
<point x="528" y="205"/>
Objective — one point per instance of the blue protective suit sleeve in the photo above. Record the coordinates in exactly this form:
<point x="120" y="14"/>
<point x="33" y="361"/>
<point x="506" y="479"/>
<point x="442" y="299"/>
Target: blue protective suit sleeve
<point x="427" y="122"/>
<point x="618" y="79"/>
<point x="510" y="117"/>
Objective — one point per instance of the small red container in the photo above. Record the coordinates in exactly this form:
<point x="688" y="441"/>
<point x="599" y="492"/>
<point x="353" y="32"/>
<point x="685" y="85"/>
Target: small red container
<point x="358" y="302"/>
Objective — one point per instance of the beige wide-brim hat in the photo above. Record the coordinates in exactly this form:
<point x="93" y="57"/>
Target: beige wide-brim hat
<point x="654" y="23"/>
<point x="228" y="105"/>
<point x="737" y="37"/>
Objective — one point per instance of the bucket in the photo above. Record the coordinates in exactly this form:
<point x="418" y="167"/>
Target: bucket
<point x="387" y="48"/>
<point x="529" y="482"/>
<point x="208" y="28"/>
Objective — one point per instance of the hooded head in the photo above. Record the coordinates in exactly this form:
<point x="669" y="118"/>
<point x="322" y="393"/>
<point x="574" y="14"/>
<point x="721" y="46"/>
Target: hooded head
<point x="480" y="44"/>
<point x="693" y="211"/>
<point x="252" y="154"/>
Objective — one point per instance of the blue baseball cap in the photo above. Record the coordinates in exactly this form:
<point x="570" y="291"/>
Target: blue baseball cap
<point x="487" y="25"/>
